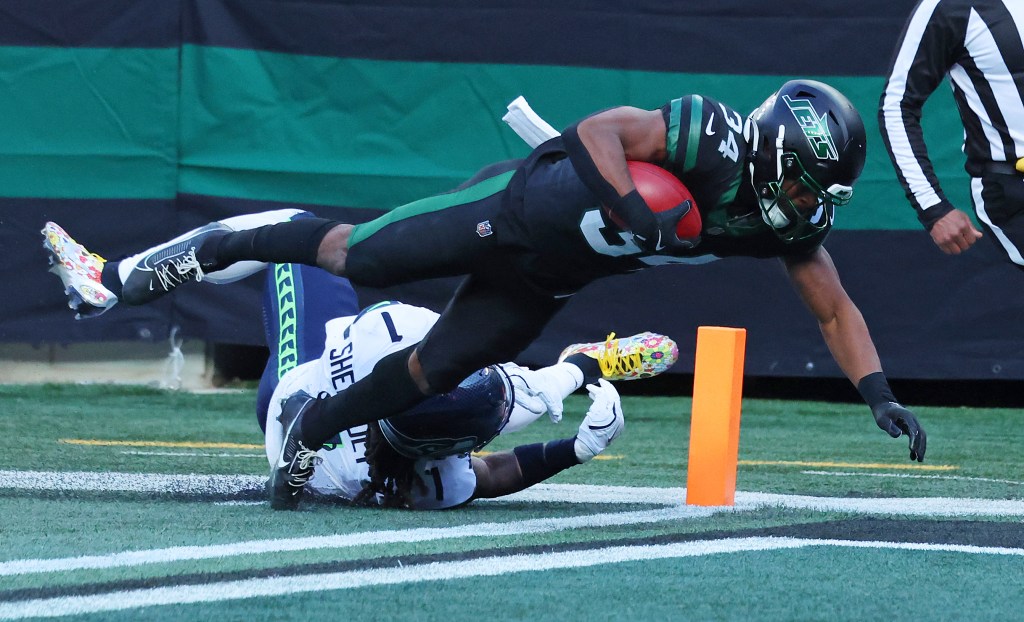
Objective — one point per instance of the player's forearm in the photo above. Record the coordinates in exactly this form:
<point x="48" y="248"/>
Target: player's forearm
<point x="511" y="471"/>
<point x="604" y="144"/>
<point x="847" y="337"/>
<point x="497" y="475"/>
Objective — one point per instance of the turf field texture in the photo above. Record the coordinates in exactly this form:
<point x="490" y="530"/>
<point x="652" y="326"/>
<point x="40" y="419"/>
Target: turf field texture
<point x="123" y="503"/>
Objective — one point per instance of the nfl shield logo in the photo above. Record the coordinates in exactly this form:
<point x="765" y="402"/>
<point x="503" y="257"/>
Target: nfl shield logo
<point x="483" y="229"/>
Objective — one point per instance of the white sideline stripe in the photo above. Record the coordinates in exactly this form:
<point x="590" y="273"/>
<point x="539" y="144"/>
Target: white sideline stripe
<point x="562" y="493"/>
<point x="129" y="482"/>
<point x="588" y="493"/>
<point x="910" y="476"/>
<point x="437" y="571"/>
<point x="256" y="547"/>
<point x="904" y="506"/>
<point x="901" y="506"/>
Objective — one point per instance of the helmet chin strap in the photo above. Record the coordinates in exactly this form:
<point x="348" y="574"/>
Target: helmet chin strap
<point x="779" y="143"/>
<point x="752" y="137"/>
<point x="770" y="212"/>
<point x="772" y="217"/>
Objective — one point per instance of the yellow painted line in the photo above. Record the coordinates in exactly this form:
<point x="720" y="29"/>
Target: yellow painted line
<point x="852" y="465"/>
<point x="597" y="457"/>
<point x="200" y="445"/>
<point x="188" y="445"/>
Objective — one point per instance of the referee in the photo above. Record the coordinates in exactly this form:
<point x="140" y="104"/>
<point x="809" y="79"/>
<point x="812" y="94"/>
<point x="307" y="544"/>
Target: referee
<point x="978" y="44"/>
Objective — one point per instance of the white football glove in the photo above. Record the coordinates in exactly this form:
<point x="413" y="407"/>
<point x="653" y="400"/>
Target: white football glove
<point x="603" y="423"/>
<point x="536" y="392"/>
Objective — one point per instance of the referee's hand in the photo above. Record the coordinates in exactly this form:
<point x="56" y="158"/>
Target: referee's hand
<point x="954" y="233"/>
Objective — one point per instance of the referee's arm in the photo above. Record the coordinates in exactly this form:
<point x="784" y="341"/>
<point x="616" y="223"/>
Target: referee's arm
<point x="923" y="57"/>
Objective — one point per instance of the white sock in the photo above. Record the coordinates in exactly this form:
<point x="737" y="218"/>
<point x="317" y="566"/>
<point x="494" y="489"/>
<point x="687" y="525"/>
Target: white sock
<point x="566" y="376"/>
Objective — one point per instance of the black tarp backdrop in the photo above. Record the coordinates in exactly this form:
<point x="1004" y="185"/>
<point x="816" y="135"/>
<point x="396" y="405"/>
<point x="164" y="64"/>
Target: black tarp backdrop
<point x="932" y="316"/>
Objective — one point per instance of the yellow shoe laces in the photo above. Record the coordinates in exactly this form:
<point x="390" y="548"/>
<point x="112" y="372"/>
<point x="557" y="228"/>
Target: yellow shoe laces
<point x="614" y="362"/>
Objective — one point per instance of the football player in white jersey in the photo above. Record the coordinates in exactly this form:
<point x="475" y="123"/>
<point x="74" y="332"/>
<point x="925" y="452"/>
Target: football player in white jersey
<point x="422" y="459"/>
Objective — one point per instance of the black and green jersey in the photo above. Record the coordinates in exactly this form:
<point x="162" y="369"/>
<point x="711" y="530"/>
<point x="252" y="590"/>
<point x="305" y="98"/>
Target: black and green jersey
<point x="565" y="238"/>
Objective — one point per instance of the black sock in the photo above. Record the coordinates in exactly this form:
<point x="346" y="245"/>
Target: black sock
<point x="388" y="390"/>
<point x="540" y="461"/>
<point x="590" y="367"/>
<point x="111" y="279"/>
<point x="295" y="241"/>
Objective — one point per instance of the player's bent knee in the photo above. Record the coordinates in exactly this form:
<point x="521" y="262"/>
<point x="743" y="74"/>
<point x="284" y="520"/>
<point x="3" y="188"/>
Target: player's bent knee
<point x="332" y="254"/>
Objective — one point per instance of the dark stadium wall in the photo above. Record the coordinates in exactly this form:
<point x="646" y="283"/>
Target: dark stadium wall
<point x="127" y="121"/>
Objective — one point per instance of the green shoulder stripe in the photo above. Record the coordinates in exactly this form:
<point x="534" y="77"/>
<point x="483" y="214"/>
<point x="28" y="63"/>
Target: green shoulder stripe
<point x="693" y="138"/>
<point x="672" y="138"/>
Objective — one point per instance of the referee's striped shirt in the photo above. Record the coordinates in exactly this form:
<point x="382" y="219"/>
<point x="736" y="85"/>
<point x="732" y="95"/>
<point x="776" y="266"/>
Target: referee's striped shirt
<point x="979" y="44"/>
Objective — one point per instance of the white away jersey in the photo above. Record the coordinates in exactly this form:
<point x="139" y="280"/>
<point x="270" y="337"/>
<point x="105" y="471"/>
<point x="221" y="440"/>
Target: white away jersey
<point x="352" y="347"/>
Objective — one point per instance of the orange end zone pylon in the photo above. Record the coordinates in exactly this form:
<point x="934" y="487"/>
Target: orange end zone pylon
<point x="715" y="422"/>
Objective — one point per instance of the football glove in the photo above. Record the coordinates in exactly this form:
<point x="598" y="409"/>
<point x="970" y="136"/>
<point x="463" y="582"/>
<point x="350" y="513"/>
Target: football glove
<point x="894" y="419"/>
<point x="603" y="422"/>
<point x="661" y="236"/>
<point x="535" y="392"/>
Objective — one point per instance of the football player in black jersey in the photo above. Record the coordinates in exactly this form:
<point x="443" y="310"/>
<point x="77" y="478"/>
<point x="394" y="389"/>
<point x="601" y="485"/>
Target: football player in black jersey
<point x="529" y="233"/>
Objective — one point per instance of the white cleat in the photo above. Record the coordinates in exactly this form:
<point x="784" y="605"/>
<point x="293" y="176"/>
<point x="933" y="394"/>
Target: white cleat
<point x="159" y="270"/>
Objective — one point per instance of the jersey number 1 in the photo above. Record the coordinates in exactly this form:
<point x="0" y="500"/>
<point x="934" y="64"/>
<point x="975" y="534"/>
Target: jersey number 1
<point x="392" y="331"/>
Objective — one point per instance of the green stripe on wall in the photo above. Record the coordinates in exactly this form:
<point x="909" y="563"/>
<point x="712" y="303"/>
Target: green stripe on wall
<point x="98" y="123"/>
<point x="378" y="134"/>
<point x="88" y="123"/>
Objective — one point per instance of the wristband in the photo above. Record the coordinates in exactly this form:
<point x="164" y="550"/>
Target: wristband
<point x="875" y="389"/>
<point x="541" y="461"/>
<point x="928" y="217"/>
<point x="633" y="210"/>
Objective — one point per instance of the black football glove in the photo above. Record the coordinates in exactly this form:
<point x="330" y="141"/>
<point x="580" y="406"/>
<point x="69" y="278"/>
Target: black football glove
<point x="661" y="238"/>
<point x="894" y="419"/>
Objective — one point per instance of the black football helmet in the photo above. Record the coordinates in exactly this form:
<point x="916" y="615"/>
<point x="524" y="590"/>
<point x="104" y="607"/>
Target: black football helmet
<point x="808" y="150"/>
<point x="458" y="422"/>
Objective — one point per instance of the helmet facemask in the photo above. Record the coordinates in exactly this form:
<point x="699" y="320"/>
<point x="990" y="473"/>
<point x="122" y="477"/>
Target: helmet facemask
<point x="795" y="206"/>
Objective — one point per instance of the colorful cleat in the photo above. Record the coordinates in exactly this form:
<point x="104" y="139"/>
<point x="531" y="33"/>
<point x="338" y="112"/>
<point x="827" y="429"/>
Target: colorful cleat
<point x="630" y="358"/>
<point x="80" y="272"/>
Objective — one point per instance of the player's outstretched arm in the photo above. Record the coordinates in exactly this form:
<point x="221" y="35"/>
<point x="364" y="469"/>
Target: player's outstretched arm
<point x="846" y="334"/>
<point x="511" y="471"/>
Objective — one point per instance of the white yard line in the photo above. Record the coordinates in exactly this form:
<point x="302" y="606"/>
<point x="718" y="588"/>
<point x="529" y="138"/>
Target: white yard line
<point x="67" y="481"/>
<point x="900" y="506"/>
<point x="439" y="571"/>
<point x="911" y="476"/>
<point x="560" y="493"/>
<point x="672" y="497"/>
<point x="904" y="506"/>
<point x="366" y="538"/>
